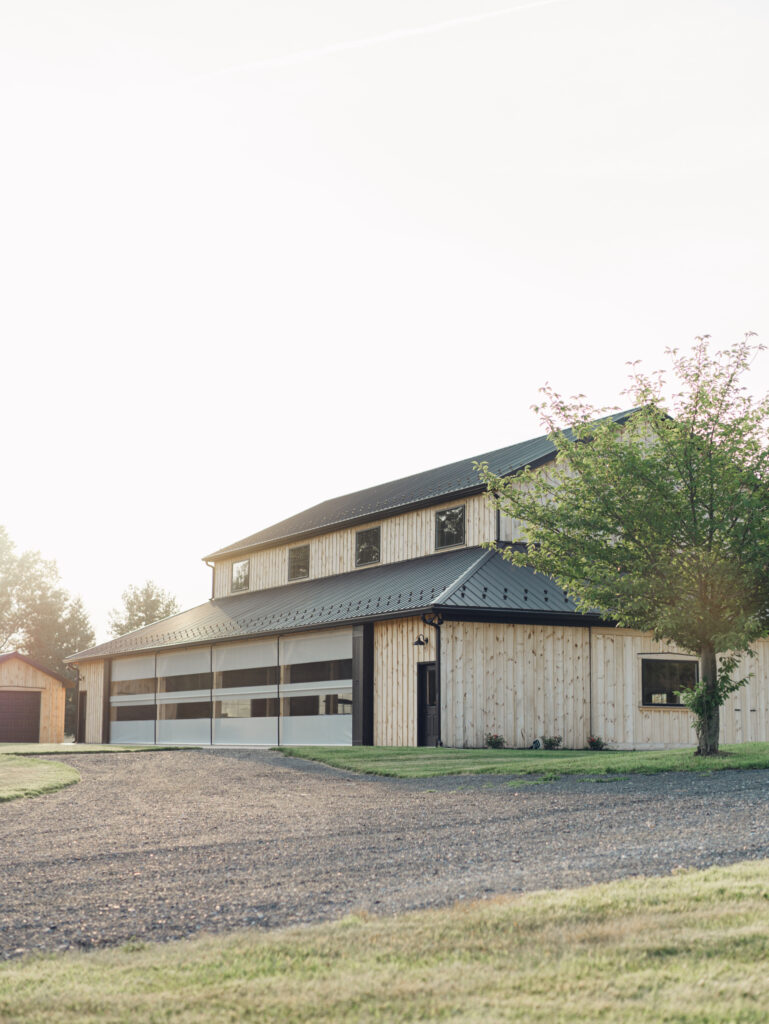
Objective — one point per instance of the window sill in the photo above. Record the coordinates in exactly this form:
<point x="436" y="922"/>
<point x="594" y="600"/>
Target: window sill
<point x="662" y="707"/>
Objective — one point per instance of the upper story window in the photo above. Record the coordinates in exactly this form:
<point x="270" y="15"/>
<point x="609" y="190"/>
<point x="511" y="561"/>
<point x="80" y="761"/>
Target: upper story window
<point x="239" y="576"/>
<point x="663" y="678"/>
<point x="368" y="545"/>
<point x="299" y="562"/>
<point x="450" y="527"/>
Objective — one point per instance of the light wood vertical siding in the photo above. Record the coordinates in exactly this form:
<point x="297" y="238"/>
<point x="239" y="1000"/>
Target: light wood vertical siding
<point x="526" y="681"/>
<point x="16" y="674"/>
<point x="92" y="682"/>
<point x="745" y="716"/>
<point x="519" y="681"/>
<point x="618" y="716"/>
<point x="395" y="679"/>
<point x="410" y="535"/>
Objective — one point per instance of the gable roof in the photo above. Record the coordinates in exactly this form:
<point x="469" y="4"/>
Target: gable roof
<point x="464" y="582"/>
<point x="456" y="480"/>
<point x="36" y="664"/>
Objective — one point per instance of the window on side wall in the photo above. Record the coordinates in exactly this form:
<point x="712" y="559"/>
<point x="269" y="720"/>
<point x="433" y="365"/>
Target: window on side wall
<point x="663" y="678"/>
<point x="239" y="576"/>
<point x="299" y="562"/>
<point x="450" y="527"/>
<point x="368" y="546"/>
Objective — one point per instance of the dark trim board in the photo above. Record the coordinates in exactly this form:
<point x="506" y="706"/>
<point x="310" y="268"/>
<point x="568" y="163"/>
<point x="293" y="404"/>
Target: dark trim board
<point x="524" y="618"/>
<point x="363" y="685"/>
<point x="106" y="680"/>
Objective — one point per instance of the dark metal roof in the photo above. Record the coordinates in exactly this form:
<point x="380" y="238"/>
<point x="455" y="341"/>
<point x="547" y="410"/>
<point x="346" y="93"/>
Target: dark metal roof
<point x="445" y="482"/>
<point x="457" y="582"/>
<point x="36" y="664"/>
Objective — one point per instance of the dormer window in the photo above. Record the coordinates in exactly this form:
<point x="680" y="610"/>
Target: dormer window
<point x="368" y="546"/>
<point x="450" y="527"/>
<point x="299" y="562"/>
<point x="239" y="576"/>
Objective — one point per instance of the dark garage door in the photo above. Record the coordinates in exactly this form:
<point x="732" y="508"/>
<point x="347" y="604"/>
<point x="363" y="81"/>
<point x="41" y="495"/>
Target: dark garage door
<point x="19" y="716"/>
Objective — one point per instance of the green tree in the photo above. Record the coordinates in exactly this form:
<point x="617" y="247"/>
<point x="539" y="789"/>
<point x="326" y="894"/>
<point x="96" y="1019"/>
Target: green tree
<point x="142" y="606"/>
<point x="660" y="520"/>
<point x="38" y="617"/>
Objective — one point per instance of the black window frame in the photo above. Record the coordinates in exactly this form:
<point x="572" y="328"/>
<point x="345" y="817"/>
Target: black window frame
<point x="458" y="543"/>
<point x="372" y="561"/>
<point x="233" y="588"/>
<point x="650" y="660"/>
<point x="302" y="576"/>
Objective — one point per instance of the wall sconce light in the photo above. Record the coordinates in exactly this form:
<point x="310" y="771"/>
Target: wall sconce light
<point x="421" y="641"/>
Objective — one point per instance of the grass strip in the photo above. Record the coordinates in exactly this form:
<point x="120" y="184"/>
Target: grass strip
<point x="691" y="947"/>
<point x="23" y="776"/>
<point x="426" y="762"/>
<point x="29" y="749"/>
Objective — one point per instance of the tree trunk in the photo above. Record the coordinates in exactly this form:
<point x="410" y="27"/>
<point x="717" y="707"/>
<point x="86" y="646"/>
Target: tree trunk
<point x="710" y="720"/>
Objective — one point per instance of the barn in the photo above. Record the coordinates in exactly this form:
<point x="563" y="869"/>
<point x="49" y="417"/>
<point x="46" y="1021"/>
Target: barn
<point x="383" y="617"/>
<point x="31" y="701"/>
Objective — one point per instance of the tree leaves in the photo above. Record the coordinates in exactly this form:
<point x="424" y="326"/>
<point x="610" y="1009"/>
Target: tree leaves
<point x="142" y="606"/>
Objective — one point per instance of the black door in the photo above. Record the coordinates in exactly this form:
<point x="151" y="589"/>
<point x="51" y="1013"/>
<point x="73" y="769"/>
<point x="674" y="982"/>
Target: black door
<point x="82" y="699"/>
<point x="428" y="706"/>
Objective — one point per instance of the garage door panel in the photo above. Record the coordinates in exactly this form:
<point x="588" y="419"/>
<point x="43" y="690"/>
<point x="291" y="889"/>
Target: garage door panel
<point x="19" y="716"/>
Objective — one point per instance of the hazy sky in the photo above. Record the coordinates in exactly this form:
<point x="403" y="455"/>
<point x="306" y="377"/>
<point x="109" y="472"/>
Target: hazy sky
<point x="257" y="253"/>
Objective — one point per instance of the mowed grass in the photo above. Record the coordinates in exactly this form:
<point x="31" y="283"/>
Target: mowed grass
<point x="691" y="947"/>
<point x="25" y="776"/>
<point x="426" y="762"/>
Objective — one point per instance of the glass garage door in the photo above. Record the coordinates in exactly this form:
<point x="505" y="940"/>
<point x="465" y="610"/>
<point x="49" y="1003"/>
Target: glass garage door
<point x="291" y="690"/>
<point x="316" y="690"/>
<point x="246" y="681"/>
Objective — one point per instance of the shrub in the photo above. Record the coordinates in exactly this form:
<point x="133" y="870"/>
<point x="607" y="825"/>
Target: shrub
<point x="552" y="742"/>
<point x="494" y="740"/>
<point x="595" y="743"/>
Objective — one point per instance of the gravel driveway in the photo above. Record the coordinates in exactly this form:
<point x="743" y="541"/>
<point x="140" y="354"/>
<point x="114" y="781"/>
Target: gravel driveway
<point x="164" y="844"/>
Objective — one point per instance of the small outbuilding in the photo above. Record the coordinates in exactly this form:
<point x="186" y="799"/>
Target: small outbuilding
<point x="31" y="701"/>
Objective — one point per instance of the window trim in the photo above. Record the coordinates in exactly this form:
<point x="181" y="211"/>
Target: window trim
<point x="366" y="529"/>
<point x="233" y="588"/>
<point x="663" y="656"/>
<point x="458" y="544"/>
<point x="296" y="547"/>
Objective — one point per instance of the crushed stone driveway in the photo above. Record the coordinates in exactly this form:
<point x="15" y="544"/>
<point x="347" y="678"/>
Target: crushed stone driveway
<point x="164" y="844"/>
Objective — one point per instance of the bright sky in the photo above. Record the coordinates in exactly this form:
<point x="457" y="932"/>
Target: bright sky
<point x="258" y="253"/>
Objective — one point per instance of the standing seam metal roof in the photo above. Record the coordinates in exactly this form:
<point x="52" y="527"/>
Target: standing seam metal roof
<point x="455" y="479"/>
<point x="443" y="482"/>
<point x="469" y="579"/>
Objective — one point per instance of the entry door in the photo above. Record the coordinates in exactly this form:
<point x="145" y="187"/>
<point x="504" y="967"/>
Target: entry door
<point x="428" y="705"/>
<point x="81" y="716"/>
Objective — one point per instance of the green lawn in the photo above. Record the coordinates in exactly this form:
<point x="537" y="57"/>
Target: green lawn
<point x="424" y="762"/>
<point x="24" y="776"/>
<point x="690" y="948"/>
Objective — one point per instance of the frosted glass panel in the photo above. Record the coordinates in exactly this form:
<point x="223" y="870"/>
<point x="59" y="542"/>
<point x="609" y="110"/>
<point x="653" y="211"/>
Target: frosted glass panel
<point x="192" y="730"/>
<point x="329" y="645"/>
<point x="250" y="654"/>
<point x="246" y="730"/>
<point x="331" y="730"/>
<point x="142" y="667"/>
<point x="182" y="663"/>
<point x="132" y="732"/>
